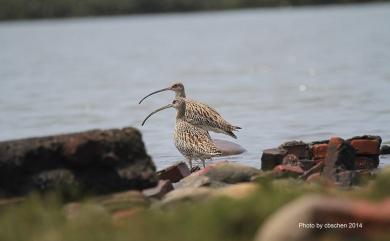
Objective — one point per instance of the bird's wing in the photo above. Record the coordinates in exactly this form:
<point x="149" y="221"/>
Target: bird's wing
<point x="201" y="114"/>
<point x="197" y="140"/>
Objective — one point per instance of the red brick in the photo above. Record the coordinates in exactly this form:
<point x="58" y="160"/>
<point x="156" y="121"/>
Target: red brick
<point x="366" y="162"/>
<point x="339" y="153"/>
<point x="337" y="141"/>
<point x="366" y="147"/>
<point x="316" y="161"/>
<point x="366" y="137"/>
<point x="319" y="151"/>
<point x="174" y="173"/>
<point x="288" y="170"/>
<point x="272" y="158"/>
<point x="162" y="188"/>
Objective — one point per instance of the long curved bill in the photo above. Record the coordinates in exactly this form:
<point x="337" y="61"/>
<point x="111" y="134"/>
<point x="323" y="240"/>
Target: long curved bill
<point x="155" y="92"/>
<point x="154" y="112"/>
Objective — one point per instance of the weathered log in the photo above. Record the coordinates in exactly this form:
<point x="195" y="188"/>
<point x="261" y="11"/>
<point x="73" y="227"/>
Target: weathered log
<point x="97" y="161"/>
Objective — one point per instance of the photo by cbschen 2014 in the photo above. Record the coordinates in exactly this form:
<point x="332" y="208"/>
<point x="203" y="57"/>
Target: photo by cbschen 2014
<point x="265" y="120"/>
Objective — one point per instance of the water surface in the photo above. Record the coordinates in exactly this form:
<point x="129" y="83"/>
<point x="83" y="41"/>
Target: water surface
<point x="281" y="74"/>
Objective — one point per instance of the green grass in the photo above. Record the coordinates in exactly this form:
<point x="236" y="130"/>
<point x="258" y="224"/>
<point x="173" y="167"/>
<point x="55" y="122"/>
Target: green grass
<point x="42" y="218"/>
<point x="218" y="219"/>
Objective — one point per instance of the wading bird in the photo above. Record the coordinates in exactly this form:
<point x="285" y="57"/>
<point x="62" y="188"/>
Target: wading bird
<point x="193" y="142"/>
<point x="199" y="114"/>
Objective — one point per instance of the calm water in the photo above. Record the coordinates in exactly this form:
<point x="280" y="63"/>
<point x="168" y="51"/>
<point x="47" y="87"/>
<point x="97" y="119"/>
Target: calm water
<point x="281" y="74"/>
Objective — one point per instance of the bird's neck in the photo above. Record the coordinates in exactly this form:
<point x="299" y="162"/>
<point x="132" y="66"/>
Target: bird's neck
<point x="181" y="94"/>
<point x="180" y="113"/>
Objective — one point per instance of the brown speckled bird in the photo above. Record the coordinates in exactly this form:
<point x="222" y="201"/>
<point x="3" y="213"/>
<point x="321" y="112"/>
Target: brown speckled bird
<point x="199" y="114"/>
<point x="193" y="142"/>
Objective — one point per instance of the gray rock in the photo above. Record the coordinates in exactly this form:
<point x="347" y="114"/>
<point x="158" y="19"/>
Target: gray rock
<point x="190" y="194"/>
<point x="228" y="148"/>
<point x="385" y="150"/>
<point x="219" y="175"/>
<point x="183" y="195"/>
<point x="199" y="181"/>
<point x="228" y="172"/>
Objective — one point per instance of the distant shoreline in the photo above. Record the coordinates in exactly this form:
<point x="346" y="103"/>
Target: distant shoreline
<point x="40" y="9"/>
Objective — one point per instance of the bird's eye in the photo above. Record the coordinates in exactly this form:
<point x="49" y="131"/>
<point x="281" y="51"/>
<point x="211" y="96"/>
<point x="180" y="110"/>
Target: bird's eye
<point x="174" y="102"/>
<point x="174" y="86"/>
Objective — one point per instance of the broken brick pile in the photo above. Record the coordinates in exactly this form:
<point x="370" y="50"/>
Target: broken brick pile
<point x="167" y="177"/>
<point x="334" y="158"/>
<point x="338" y="160"/>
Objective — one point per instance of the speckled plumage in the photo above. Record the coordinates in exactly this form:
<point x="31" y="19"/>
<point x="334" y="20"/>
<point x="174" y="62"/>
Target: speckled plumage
<point x="192" y="141"/>
<point x="201" y="115"/>
<point x="207" y="118"/>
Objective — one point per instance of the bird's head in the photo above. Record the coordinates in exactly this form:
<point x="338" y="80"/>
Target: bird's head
<point x="178" y="103"/>
<point x="177" y="87"/>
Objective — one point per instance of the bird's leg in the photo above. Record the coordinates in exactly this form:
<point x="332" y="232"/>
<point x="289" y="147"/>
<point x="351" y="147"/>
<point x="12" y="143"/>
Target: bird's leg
<point x="190" y="162"/>
<point x="203" y="162"/>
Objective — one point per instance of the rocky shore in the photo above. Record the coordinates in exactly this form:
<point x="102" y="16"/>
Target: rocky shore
<point x="335" y="160"/>
<point x="303" y="191"/>
<point x="94" y="161"/>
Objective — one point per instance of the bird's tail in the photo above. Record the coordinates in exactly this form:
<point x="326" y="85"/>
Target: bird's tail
<point x="230" y="133"/>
